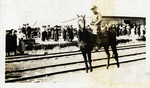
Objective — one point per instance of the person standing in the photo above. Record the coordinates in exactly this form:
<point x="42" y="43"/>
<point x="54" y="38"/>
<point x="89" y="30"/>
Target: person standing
<point x="49" y="32"/>
<point x="138" y="30"/>
<point x="8" y="43"/>
<point x="124" y="29"/>
<point x="13" y="41"/>
<point x="56" y="36"/>
<point x="64" y="33"/>
<point x="67" y="33"/>
<point x="144" y="30"/>
<point x="71" y="36"/>
<point x="117" y="30"/>
<point x="120" y="30"/>
<point x="44" y="33"/>
<point x="133" y="30"/>
<point x="128" y="29"/>
<point x="52" y="32"/>
<point x="29" y="30"/>
<point x="21" y="38"/>
<point x="23" y="29"/>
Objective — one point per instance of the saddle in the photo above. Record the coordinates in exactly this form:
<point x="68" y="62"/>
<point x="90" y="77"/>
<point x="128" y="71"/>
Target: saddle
<point x="102" y="38"/>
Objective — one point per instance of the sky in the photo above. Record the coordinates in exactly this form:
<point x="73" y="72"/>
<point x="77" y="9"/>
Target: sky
<point x="16" y="12"/>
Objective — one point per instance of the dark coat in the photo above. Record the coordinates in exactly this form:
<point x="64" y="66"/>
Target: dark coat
<point x="64" y="34"/>
<point x="117" y="30"/>
<point x="23" y="30"/>
<point x="71" y="33"/>
<point x="56" y="35"/>
<point x="44" y="35"/>
<point x="13" y="42"/>
<point x="29" y="30"/>
<point x="49" y="33"/>
<point x="8" y="46"/>
<point x="138" y="30"/>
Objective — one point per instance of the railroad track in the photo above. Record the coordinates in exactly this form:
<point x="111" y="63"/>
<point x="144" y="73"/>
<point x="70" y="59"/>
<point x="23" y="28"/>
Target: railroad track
<point x="37" y="57"/>
<point x="71" y="63"/>
<point x="22" y="56"/>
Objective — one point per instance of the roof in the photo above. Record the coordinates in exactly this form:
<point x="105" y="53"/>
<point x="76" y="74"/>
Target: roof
<point x="124" y="17"/>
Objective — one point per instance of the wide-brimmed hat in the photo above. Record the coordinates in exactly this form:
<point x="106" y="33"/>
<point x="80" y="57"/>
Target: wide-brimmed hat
<point x="93" y="7"/>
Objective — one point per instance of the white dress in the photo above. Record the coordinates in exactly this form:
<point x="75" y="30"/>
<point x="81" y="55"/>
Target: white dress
<point x="132" y="32"/>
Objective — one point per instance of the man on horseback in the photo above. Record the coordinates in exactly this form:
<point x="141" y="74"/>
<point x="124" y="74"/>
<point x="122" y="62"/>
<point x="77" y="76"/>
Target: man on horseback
<point x="96" y="22"/>
<point x="103" y="37"/>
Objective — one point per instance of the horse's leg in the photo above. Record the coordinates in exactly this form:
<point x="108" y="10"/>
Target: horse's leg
<point x="95" y="46"/>
<point x="108" y="55"/>
<point x="85" y="60"/>
<point x="90" y="61"/>
<point x="114" y="49"/>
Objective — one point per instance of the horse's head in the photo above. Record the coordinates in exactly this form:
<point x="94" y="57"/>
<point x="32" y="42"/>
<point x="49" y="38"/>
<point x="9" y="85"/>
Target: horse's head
<point x="81" y="21"/>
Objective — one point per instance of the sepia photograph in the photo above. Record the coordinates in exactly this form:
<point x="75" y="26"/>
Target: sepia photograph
<point x="85" y="43"/>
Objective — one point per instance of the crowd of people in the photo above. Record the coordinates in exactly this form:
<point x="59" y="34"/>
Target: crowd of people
<point x="26" y="30"/>
<point x="69" y="33"/>
<point x="15" y="39"/>
<point x="11" y="42"/>
<point x="53" y="33"/>
<point x="130" y="29"/>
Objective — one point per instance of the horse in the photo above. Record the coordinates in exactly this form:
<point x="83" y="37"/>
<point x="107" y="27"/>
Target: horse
<point x="84" y="38"/>
<point x="104" y="38"/>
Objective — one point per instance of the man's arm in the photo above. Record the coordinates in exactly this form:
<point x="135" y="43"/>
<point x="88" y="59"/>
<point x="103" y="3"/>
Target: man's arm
<point x="99" y="18"/>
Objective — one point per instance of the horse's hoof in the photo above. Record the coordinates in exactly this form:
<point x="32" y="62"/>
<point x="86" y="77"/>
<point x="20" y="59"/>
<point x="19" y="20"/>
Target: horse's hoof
<point x="118" y="65"/>
<point x="86" y="71"/>
<point x="107" y="66"/>
<point x="91" y="69"/>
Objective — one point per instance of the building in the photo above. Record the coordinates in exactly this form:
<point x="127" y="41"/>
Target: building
<point x="123" y="19"/>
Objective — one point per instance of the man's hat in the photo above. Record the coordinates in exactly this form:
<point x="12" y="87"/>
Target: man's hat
<point x="94" y="7"/>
